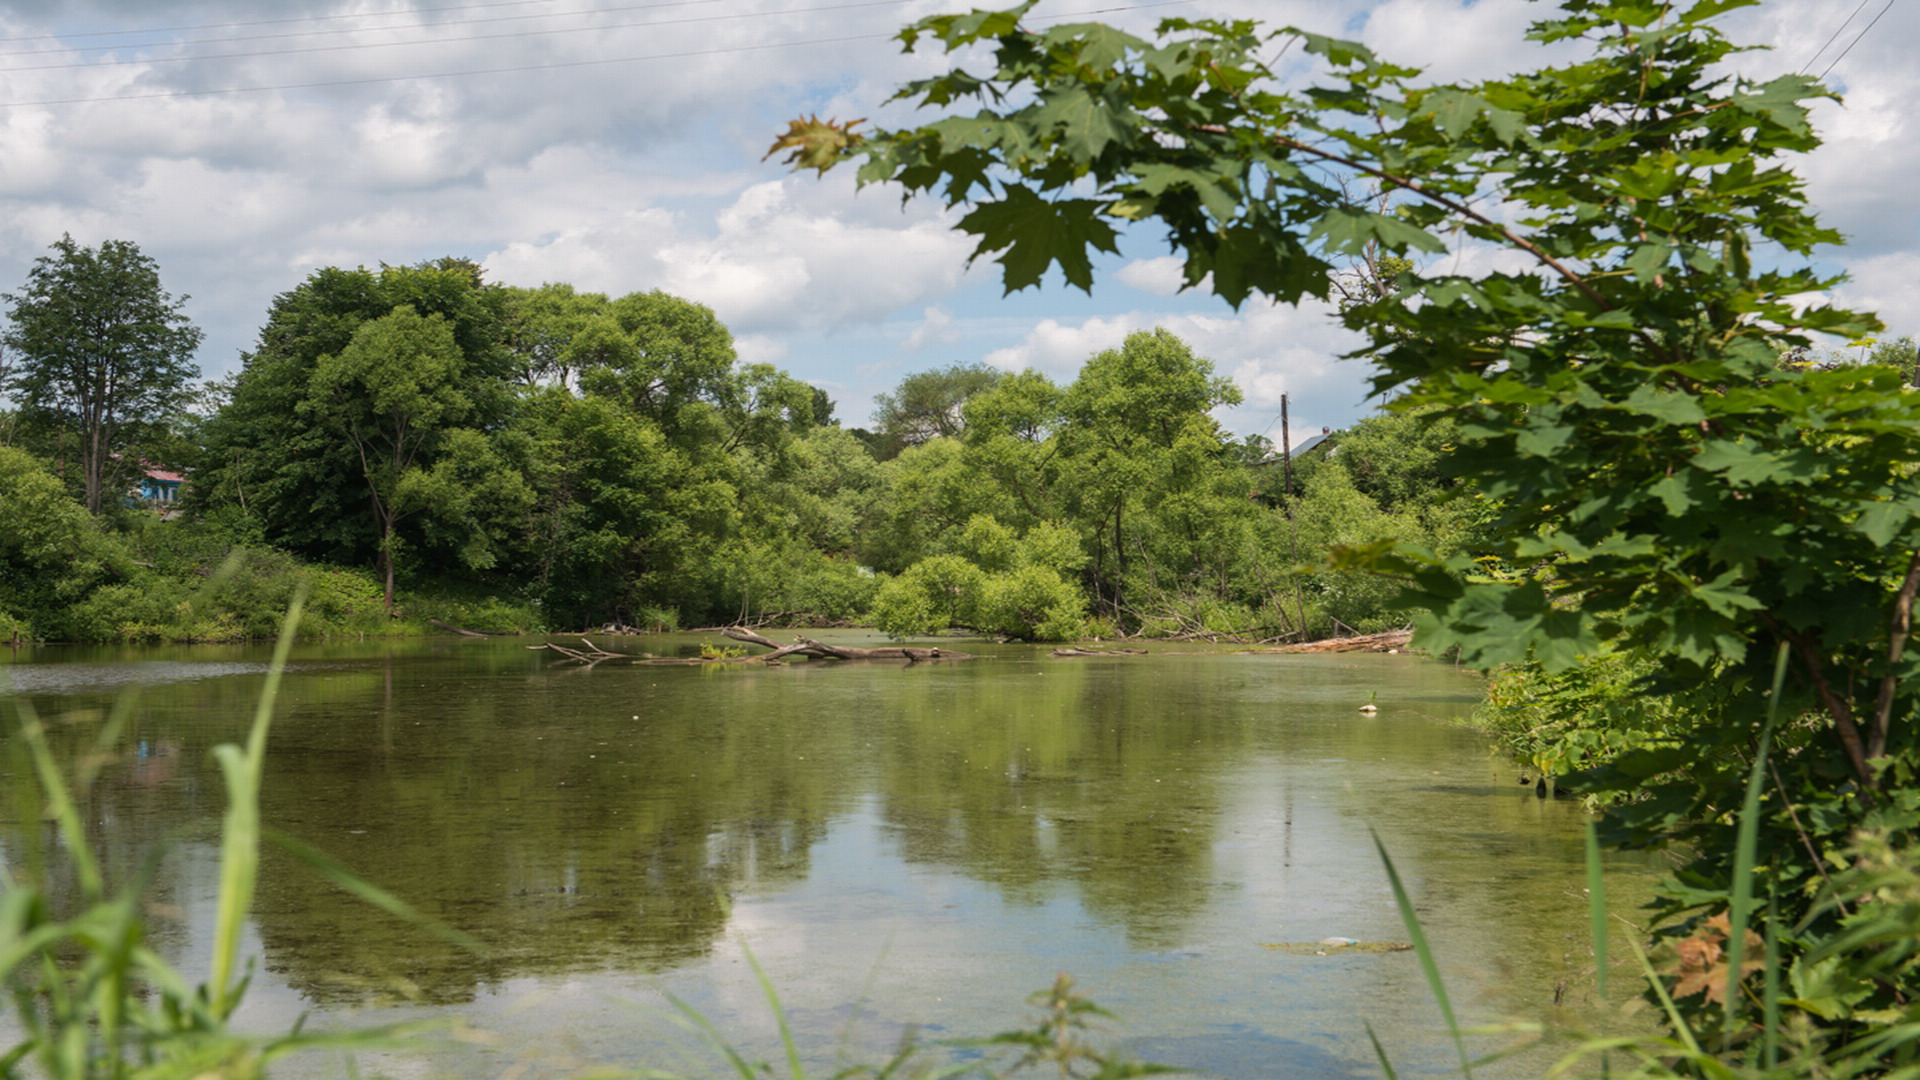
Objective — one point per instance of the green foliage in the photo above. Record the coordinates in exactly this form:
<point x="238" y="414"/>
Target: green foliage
<point x="1657" y="483"/>
<point x="1059" y="1040"/>
<point x="102" y="354"/>
<point x="276" y="457"/>
<point x="1564" y="722"/>
<point x="928" y="405"/>
<point x="52" y="552"/>
<point x="1031" y="603"/>
<point x="931" y="595"/>
<point x="467" y="605"/>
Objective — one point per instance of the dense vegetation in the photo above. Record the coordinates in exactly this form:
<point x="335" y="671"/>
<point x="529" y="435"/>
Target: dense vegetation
<point x="417" y="444"/>
<point x="1674" y="510"/>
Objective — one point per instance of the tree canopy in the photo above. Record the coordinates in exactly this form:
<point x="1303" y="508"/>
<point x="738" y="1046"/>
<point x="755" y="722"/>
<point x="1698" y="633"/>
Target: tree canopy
<point x="928" y="405"/>
<point x="100" y="352"/>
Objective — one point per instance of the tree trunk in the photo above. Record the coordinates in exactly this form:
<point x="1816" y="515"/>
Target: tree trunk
<point x="386" y="557"/>
<point x="91" y="466"/>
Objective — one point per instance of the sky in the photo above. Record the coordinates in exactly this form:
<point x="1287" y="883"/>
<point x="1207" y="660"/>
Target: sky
<point x="618" y="145"/>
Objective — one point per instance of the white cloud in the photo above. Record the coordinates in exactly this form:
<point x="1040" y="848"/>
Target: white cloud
<point x="769" y="263"/>
<point x="935" y="328"/>
<point x="1160" y="276"/>
<point x="1884" y="284"/>
<point x="759" y="349"/>
<point x="1450" y="41"/>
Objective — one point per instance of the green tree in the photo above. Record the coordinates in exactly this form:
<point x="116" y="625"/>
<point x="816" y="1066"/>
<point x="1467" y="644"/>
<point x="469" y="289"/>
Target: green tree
<point x="555" y="333"/>
<point x="1135" y="416"/>
<point x="99" y="351"/>
<point x="295" y="481"/>
<point x="931" y="595"/>
<point x="393" y="393"/>
<point x="1672" y="491"/>
<point x="677" y="362"/>
<point x="928" y="405"/>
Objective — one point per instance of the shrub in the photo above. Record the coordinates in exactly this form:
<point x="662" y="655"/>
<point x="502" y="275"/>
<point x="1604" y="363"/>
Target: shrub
<point x="932" y="594"/>
<point x="1032" y="603"/>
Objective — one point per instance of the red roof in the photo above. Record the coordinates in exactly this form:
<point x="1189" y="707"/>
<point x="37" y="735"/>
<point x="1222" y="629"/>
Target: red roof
<point x="164" y="476"/>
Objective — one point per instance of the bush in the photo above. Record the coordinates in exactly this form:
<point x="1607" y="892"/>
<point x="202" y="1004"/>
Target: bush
<point x="1032" y="603"/>
<point x="1583" y="718"/>
<point x="480" y="611"/>
<point x="932" y="594"/>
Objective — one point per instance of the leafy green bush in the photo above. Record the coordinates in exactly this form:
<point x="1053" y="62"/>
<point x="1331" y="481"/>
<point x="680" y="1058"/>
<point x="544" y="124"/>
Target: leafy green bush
<point x="475" y="609"/>
<point x="834" y="589"/>
<point x="1032" y="603"/>
<point x="1203" y="614"/>
<point x="52" y="552"/>
<point x="931" y="595"/>
<point x="151" y="610"/>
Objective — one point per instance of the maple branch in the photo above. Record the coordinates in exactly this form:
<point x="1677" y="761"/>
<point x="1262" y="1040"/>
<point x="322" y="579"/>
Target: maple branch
<point x="1896" y="648"/>
<point x="1837" y="707"/>
<point x="1813" y="853"/>
<point x="1454" y="205"/>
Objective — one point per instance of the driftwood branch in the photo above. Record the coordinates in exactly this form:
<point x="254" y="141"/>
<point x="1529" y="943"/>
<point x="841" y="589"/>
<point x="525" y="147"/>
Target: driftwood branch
<point x="591" y="655"/>
<point x="821" y="651"/>
<point x="1391" y="639"/>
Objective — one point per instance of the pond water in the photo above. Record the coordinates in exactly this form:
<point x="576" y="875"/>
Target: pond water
<point x="902" y="848"/>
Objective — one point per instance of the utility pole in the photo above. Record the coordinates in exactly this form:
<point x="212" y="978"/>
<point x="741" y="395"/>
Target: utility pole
<point x="1286" y="448"/>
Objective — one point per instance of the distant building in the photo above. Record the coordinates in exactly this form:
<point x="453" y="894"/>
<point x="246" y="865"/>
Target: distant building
<point x="1312" y="441"/>
<point x="159" y="488"/>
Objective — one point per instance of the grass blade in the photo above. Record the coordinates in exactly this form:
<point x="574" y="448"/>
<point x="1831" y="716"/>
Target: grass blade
<point x="1597" y="928"/>
<point x="1770" y="995"/>
<point x="1386" y="1066"/>
<point x="1427" y="964"/>
<point x="715" y="1039"/>
<point x="1597" y="911"/>
<point x="327" y="867"/>
<point x="1740" y="903"/>
<point x="60" y="800"/>
<point x="1666" y="1001"/>
<point x="240" y="834"/>
<point x="794" y="1071"/>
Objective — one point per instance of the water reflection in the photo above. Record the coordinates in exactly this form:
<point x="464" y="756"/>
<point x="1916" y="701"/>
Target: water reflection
<point x="1153" y="818"/>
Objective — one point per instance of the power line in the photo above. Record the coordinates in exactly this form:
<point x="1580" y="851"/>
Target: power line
<point x="1856" y="40"/>
<point x="358" y="46"/>
<point x="1835" y="36"/>
<point x="273" y="22"/>
<point x="554" y="65"/>
<point x="348" y="29"/>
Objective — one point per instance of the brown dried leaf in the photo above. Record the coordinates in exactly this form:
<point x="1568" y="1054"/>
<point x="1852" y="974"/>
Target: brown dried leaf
<point x="813" y="143"/>
<point x="1700" y="961"/>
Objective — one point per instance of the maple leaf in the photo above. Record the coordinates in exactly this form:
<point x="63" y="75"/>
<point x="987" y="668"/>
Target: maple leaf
<point x="1033" y="233"/>
<point x="816" y="144"/>
<point x="1700" y="961"/>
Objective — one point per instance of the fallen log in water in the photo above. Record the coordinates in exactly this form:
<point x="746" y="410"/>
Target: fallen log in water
<point x="589" y="656"/>
<point x="1077" y="650"/>
<point x="1388" y="641"/>
<point x="821" y="651"/>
